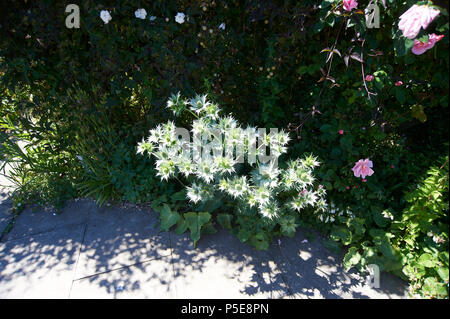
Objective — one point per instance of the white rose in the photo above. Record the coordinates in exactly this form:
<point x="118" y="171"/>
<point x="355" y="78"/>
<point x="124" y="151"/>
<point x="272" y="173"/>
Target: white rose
<point x="179" y="18"/>
<point x="140" y="13"/>
<point x="105" y="16"/>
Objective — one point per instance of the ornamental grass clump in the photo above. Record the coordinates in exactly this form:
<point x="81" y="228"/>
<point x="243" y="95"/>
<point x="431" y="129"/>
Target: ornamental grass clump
<point x="210" y="154"/>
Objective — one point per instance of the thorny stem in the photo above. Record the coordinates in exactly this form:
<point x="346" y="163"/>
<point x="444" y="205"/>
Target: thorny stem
<point x="316" y="103"/>
<point x="362" y="70"/>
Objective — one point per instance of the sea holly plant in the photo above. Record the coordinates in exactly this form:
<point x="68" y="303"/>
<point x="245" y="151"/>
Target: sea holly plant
<point x="219" y="159"/>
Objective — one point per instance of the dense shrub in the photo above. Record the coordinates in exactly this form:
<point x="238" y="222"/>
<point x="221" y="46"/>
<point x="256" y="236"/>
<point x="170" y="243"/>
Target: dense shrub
<point x="83" y="98"/>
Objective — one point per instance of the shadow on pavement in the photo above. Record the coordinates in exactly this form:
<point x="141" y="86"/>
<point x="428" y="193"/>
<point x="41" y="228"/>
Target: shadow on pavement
<point x="118" y="252"/>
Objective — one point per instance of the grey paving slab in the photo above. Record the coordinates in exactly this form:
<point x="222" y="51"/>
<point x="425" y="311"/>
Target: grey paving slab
<point x="31" y="221"/>
<point x="117" y="237"/>
<point x="152" y="279"/>
<point x="40" y="266"/>
<point x="312" y="271"/>
<point x="223" y="267"/>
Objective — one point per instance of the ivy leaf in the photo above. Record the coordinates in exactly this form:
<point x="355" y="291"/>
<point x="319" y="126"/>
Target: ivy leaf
<point x="225" y="220"/>
<point x="352" y="258"/>
<point x="418" y="113"/>
<point x="194" y="222"/>
<point x="443" y="273"/>
<point x="157" y="202"/>
<point x="260" y="241"/>
<point x="342" y="234"/>
<point x="181" y="195"/>
<point x="181" y="226"/>
<point x="208" y="228"/>
<point x="427" y="260"/>
<point x="168" y="218"/>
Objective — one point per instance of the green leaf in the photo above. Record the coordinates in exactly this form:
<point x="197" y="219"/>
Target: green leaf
<point x="208" y="229"/>
<point x="342" y="234"/>
<point x="352" y="258"/>
<point x="402" y="45"/>
<point x="260" y="241"/>
<point x="157" y="202"/>
<point x="333" y="246"/>
<point x="418" y="113"/>
<point x="168" y="218"/>
<point x="181" y="226"/>
<point x="195" y="221"/>
<point x="427" y="260"/>
<point x="400" y="95"/>
<point x="443" y="273"/>
<point x="181" y="195"/>
<point x="225" y="220"/>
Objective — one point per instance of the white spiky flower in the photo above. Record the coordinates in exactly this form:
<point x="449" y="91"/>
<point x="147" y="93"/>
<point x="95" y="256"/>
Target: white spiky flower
<point x="238" y="186"/>
<point x="185" y="165"/>
<point x="226" y="123"/>
<point x="234" y="136"/>
<point x="199" y="103"/>
<point x="200" y="126"/>
<point x="206" y="170"/>
<point x="297" y="204"/>
<point x="144" y="146"/>
<point x="269" y="210"/>
<point x="155" y="135"/>
<point x="199" y="192"/>
<point x="266" y="175"/>
<point x="165" y="168"/>
<point x="224" y="164"/>
<point x="262" y="195"/>
<point x="211" y="110"/>
<point x="176" y="104"/>
<point x="310" y="162"/>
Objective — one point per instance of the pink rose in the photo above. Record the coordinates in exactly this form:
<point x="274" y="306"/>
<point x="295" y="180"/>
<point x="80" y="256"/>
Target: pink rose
<point x="415" y="18"/>
<point x="421" y="47"/>
<point x="341" y="132"/>
<point x="398" y="83"/>
<point x="369" y="77"/>
<point x="362" y="168"/>
<point x="350" y="4"/>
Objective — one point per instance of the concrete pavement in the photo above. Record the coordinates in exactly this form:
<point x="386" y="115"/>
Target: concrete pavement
<point x="118" y="252"/>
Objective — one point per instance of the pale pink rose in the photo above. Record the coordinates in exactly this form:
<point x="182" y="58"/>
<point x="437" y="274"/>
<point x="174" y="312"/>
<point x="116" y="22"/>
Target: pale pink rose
<point x="362" y="168"/>
<point x="398" y="83"/>
<point x="415" y="18"/>
<point x="421" y="47"/>
<point x="350" y="4"/>
<point x="369" y="77"/>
